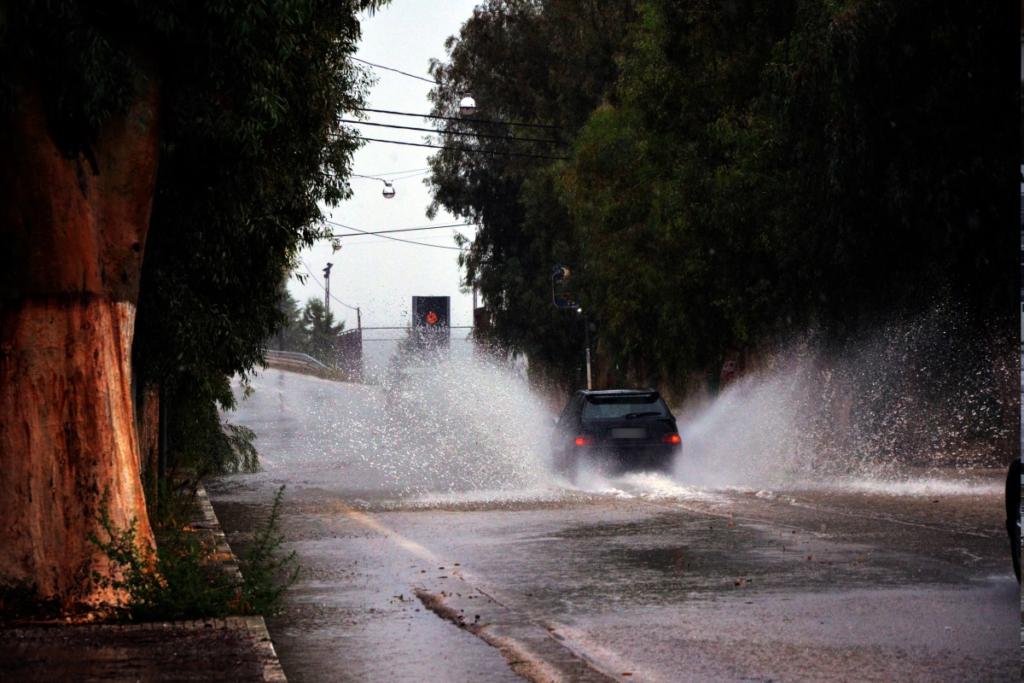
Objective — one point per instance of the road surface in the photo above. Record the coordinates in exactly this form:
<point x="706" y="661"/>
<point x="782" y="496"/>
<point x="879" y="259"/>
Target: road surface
<point x="435" y="544"/>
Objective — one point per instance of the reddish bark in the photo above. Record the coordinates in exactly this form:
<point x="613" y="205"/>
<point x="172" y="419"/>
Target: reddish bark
<point x="75" y="225"/>
<point x="147" y="416"/>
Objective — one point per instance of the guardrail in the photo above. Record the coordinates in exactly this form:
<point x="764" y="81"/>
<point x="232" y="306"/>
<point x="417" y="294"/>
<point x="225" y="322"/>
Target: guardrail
<point x="303" y="363"/>
<point x="303" y="358"/>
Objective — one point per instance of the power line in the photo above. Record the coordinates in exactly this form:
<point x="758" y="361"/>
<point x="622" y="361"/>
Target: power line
<point x="408" y="170"/>
<point x="367" y="177"/>
<point x="397" y="239"/>
<point x="323" y="287"/>
<point x="383" y="241"/>
<point x="464" y="149"/>
<point x="397" y="71"/>
<point x="411" y="175"/>
<point x="458" y="118"/>
<point x="389" y="180"/>
<point x="454" y="132"/>
<point x="416" y="229"/>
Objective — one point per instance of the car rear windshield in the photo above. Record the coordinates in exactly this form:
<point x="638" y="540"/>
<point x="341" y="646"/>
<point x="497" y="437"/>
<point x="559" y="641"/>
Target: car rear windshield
<point x="618" y="407"/>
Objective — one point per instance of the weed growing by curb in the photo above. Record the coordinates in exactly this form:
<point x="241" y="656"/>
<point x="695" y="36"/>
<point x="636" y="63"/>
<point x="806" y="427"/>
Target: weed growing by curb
<point x="182" y="579"/>
<point x="267" y="573"/>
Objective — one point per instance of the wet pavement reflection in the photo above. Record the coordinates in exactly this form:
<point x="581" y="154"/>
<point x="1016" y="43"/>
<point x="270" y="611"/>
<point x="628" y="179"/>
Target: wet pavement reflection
<point x="642" y="574"/>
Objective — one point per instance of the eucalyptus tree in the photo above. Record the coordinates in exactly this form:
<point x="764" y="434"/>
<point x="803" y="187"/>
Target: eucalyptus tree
<point x="170" y="156"/>
<point x="760" y="170"/>
<point x="544" y="64"/>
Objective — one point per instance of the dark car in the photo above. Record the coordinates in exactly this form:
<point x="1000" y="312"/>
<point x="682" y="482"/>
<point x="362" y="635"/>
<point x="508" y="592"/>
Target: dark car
<point x="619" y="429"/>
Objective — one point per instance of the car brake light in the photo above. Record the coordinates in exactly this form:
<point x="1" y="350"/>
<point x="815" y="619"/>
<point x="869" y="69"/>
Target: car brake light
<point x="582" y="441"/>
<point x="672" y="439"/>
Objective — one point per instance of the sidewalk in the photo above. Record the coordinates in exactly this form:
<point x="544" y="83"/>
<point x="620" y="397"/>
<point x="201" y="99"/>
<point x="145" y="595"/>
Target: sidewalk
<point x="235" y="648"/>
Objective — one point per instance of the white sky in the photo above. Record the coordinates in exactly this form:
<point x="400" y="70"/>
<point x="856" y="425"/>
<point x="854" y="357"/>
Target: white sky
<point x="376" y="274"/>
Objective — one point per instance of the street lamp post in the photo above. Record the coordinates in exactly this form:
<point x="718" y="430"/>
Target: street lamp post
<point x="327" y="287"/>
<point x="586" y="345"/>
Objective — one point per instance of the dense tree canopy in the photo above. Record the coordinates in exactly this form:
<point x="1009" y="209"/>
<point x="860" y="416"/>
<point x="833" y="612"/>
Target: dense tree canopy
<point x="738" y="171"/>
<point x="161" y="165"/>
<point x="319" y="331"/>
<point x="523" y="65"/>
<point x="250" y="96"/>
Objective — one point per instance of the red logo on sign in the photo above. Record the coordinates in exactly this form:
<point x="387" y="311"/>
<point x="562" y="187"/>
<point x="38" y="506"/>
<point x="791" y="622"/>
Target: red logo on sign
<point x="431" y="318"/>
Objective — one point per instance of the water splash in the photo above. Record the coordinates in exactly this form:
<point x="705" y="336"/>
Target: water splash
<point x="910" y="410"/>
<point x="920" y="400"/>
<point x="644" y="485"/>
<point x="452" y="425"/>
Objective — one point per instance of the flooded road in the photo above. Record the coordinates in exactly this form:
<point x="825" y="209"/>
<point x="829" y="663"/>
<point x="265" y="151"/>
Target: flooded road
<point x="437" y="544"/>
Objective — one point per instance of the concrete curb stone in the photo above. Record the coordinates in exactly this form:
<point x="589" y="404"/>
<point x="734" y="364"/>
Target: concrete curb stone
<point x="254" y="625"/>
<point x="236" y="648"/>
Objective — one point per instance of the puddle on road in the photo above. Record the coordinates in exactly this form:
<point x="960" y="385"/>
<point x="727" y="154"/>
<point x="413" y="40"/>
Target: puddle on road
<point x="646" y="485"/>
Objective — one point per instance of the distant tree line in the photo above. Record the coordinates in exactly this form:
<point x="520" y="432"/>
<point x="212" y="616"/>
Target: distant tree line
<point x="311" y="329"/>
<point x="734" y="173"/>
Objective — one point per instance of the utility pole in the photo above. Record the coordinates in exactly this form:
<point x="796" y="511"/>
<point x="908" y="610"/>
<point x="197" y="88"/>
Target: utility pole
<point x="327" y="287"/>
<point x="586" y="342"/>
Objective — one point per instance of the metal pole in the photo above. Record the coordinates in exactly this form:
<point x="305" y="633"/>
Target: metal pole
<point x="586" y="337"/>
<point x="327" y="287"/>
<point x="359" y="328"/>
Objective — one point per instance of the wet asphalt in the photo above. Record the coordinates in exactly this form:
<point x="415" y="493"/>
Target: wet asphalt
<point x="414" y="570"/>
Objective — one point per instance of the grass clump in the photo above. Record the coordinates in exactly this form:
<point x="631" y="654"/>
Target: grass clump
<point x="182" y="578"/>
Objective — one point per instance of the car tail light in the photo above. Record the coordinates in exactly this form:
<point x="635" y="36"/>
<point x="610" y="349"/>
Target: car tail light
<point x="672" y="439"/>
<point x="583" y="441"/>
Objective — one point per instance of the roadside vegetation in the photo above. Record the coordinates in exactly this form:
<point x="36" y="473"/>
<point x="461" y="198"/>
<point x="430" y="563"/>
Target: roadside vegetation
<point x="188" y="579"/>
<point x="731" y="175"/>
<point x="310" y="329"/>
<point x="207" y="136"/>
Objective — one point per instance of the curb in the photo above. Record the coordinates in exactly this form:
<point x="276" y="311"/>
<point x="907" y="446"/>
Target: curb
<point x="254" y="625"/>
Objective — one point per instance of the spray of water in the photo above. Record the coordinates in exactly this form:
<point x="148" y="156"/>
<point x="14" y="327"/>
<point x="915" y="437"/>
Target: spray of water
<point x="456" y="425"/>
<point x="914" y="408"/>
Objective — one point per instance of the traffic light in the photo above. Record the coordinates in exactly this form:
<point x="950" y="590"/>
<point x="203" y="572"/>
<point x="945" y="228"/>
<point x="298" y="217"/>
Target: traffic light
<point x="431" y="323"/>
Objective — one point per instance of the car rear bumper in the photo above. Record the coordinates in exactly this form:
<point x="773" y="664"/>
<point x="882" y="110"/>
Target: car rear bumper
<point x="649" y="457"/>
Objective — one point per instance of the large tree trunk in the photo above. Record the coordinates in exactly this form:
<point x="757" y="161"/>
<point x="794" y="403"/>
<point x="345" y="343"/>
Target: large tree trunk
<point x="74" y="226"/>
<point x="147" y="421"/>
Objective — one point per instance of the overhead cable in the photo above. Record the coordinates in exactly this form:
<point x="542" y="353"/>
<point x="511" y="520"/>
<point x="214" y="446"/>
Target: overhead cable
<point x="408" y="170"/>
<point x="458" y="118"/>
<point x="472" y="150"/>
<point x="367" y="177"/>
<point x="466" y="133"/>
<point x="323" y="287"/>
<point x="397" y="71"/>
<point x="396" y="239"/>
<point x="416" y="229"/>
<point x="385" y="179"/>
